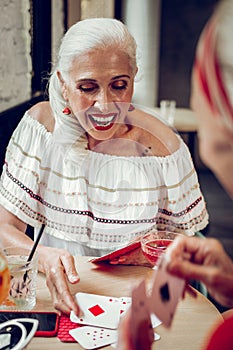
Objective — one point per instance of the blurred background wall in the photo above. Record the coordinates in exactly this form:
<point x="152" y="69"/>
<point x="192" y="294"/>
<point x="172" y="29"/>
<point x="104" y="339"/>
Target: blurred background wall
<point x="15" y="61"/>
<point x="181" y="25"/>
<point x="166" y="32"/>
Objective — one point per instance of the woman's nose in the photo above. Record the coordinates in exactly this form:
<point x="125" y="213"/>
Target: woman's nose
<point x="103" y="101"/>
<point x="102" y="107"/>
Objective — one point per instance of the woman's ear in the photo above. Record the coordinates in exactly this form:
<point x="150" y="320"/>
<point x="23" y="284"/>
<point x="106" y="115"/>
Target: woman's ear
<point x="63" y="85"/>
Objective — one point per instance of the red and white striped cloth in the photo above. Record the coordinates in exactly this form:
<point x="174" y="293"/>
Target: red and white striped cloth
<point x="209" y="70"/>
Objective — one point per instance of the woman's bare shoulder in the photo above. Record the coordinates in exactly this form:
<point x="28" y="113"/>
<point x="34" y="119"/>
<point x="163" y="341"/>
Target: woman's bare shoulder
<point x="42" y="112"/>
<point x="153" y="133"/>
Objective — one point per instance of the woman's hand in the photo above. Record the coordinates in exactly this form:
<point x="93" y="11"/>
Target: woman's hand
<point x="59" y="268"/>
<point x="204" y="260"/>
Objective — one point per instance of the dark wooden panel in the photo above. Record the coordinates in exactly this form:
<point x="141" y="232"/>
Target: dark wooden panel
<point x="181" y="25"/>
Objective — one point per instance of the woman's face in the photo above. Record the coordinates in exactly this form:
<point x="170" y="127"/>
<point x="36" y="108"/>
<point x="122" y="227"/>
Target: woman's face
<point x="99" y="91"/>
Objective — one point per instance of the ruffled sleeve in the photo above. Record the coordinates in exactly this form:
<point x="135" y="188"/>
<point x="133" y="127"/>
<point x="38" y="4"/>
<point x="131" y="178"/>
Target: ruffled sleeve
<point x="20" y="179"/>
<point x="93" y="199"/>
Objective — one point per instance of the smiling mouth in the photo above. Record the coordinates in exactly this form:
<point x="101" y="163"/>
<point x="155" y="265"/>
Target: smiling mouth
<point x="102" y="122"/>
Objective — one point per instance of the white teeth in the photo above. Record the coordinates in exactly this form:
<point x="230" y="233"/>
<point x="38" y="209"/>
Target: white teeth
<point x="103" y="120"/>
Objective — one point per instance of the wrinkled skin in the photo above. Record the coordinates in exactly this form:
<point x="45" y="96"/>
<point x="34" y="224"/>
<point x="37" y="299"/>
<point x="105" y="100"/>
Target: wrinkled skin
<point x="204" y="260"/>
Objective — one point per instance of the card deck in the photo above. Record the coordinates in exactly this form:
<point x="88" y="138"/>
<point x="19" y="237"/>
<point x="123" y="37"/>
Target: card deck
<point x="166" y="292"/>
<point x="117" y="253"/>
<point x="93" y="337"/>
<point x="98" y="310"/>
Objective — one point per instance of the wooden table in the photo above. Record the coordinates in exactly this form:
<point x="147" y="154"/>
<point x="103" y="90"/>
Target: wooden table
<point x="193" y="318"/>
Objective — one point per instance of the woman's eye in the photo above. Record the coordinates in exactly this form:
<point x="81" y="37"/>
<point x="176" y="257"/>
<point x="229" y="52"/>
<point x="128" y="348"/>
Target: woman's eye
<point x="119" y="85"/>
<point x="88" y="87"/>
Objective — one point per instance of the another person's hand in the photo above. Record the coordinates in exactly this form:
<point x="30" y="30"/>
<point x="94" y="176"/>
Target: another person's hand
<point x="59" y="268"/>
<point x="204" y="260"/>
<point x="145" y="334"/>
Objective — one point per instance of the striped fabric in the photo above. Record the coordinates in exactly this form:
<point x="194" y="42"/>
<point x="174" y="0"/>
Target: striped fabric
<point x="209" y="70"/>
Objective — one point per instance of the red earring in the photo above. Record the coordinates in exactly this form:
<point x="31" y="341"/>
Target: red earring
<point x="66" y="111"/>
<point x="131" y="108"/>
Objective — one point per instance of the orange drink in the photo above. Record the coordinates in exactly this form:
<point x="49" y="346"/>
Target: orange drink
<point x="4" y="278"/>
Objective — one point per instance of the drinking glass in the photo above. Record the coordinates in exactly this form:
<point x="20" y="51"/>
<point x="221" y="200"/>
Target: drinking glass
<point x="4" y="277"/>
<point x="23" y="274"/>
<point x="154" y="243"/>
<point x="168" y="110"/>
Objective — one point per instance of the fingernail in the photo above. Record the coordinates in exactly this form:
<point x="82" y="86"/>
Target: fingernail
<point x="114" y="261"/>
<point x="81" y="313"/>
<point x="121" y="259"/>
<point x="73" y="278"/>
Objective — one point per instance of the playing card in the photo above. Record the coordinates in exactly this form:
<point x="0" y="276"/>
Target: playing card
<point x="141" y="329"/>
<point x="98" y="310"/>
<point x="125" y="303"/>
<point x="93" y="337"/>
<point x="166" y="292"/>
<point x="117" y="253"/>
<point x="155" y="321"/>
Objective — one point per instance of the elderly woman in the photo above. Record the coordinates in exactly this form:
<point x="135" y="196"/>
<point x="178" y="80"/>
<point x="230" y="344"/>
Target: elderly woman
<point x="95" y="170"/>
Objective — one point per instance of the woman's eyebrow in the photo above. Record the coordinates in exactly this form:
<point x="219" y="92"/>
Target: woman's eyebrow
<point x="89" y="80"/>
<point x="86" y="80"/>
<point x="121" y="76"/>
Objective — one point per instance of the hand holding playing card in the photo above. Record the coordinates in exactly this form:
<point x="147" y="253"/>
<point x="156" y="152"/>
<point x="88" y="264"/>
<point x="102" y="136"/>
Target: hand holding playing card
<point x="141" y="327"/>
<point x="135" y="329"/>
<point x="166" y="292"/>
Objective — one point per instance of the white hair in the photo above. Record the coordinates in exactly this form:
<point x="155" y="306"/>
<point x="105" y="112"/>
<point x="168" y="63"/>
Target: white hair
<point x="82" y="37"/>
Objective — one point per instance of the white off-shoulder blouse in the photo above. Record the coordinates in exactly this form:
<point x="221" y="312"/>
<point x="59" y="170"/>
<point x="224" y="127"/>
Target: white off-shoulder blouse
<point x="94" y="202"/>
